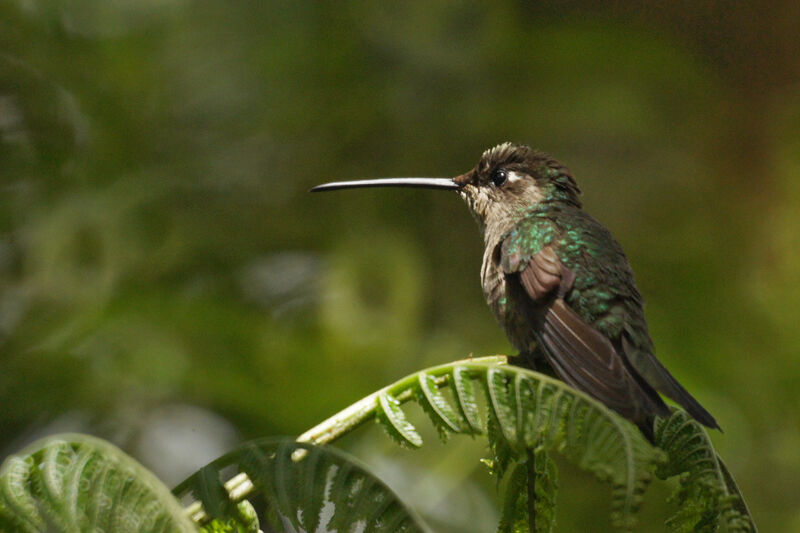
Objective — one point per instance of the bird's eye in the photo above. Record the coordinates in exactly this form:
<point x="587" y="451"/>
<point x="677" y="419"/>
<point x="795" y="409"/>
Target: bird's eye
<point x="499" y="177"/>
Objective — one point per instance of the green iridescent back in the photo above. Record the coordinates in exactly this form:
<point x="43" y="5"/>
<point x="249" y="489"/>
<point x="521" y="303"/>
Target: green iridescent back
<point x="604" y="293"/>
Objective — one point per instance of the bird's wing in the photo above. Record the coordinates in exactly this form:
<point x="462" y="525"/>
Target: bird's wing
<point x="580" y="354"/>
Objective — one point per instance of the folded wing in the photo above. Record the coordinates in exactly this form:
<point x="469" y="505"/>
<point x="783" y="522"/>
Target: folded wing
<point x="580" y="354"/>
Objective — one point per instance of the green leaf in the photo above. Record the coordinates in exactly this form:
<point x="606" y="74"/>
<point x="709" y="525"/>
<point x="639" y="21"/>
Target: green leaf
<point x="80" y="483"/>
<point x="437" y="407"/>
<point x="502" y="454"/>
<point x="314" y="474"/>
<point x="707" y="495"/>
<point x="514" y="518"/>
<point x="546" y="479"/>
<point x="211" y="492"/>
<point x="245" y="521"/>
<point x="394" y="421"/>
<point x="342" y="494"/>
<point x="537" y="411"/>
<point x="464" y="392"/>
<point x="540" y="469"/>
<point x="500" y="393"/>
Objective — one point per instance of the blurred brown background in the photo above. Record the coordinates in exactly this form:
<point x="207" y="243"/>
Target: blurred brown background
<point x="167" y="282"/>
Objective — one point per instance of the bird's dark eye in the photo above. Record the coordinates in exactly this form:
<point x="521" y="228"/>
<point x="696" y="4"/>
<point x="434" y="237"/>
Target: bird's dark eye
<point x="499" y="177"/>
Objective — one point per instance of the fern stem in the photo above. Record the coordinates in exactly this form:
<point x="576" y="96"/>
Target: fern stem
<point x="402" y="390"/>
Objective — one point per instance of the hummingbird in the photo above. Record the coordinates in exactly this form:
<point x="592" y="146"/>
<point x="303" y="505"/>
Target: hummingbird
<point x="559" y="283"/>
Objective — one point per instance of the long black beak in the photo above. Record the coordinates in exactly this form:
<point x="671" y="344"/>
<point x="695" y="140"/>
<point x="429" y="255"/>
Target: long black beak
<point x="422" y="183"/>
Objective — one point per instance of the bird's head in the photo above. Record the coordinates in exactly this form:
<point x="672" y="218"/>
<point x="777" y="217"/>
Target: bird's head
<point x="510" y="180"/>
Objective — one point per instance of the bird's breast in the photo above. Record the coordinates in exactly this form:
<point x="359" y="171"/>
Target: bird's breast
<point x="494" y="285"/>
<point x="517" y="325"/>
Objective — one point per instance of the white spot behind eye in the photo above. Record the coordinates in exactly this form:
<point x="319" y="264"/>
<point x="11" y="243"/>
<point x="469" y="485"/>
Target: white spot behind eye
<point x="514" y="176"/>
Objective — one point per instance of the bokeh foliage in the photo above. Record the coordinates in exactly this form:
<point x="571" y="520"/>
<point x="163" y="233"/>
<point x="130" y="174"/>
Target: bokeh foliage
<point x="158" y="245"/>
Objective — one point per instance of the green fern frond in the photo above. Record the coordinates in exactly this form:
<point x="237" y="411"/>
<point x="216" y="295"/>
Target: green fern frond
<point x="80" y="483"/>
<point x="75" y="483"/>
<point x="707" y="496"/>
<point x="539" y="413"/>
<point x="526" y="411"/>
<point x="297" y="481"/>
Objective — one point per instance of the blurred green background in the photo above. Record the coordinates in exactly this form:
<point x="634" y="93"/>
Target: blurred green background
<point x="167" y="282"/>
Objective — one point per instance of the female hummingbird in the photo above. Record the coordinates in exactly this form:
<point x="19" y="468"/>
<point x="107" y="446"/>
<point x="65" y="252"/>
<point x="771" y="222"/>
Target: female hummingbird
<point x="559" y="283"/>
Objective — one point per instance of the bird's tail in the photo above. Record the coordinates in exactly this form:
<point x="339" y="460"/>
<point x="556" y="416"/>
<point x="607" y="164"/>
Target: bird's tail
<point x="675" y="390"/>
<point x="645" y="425"/>
<point x="659" y="378"/>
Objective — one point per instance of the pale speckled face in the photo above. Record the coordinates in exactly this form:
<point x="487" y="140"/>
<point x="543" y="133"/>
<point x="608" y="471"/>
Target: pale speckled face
<point x="507" y="200"/>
